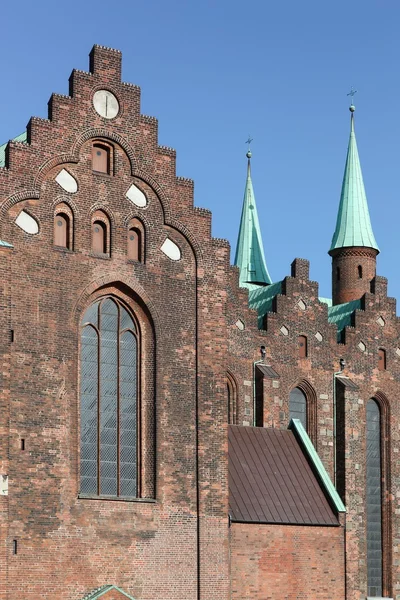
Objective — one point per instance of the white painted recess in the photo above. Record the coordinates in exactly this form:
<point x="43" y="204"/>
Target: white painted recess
<point x="171" y="250"/>
<point x="67" y="182"/>
<point x="27" y="223"/>
<point x="136" y="196"/>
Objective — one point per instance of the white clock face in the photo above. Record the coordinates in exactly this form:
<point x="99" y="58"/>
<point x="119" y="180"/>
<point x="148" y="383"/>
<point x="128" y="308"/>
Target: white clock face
<point x="106" y="104"/>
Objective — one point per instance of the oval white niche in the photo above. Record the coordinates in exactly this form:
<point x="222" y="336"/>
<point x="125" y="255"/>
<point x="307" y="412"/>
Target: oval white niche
<point x="27" y="223"/>
<point x="136" y="196"/>
<point x="171" y="250"/>
<point x="67" y="182"/>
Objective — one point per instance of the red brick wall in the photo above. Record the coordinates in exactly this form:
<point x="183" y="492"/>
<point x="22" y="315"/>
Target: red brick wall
<point x="174" y="544"/>
<point x="159" y="545"/>
<point x="284" y="562"/>
<point x="350" y="286"/>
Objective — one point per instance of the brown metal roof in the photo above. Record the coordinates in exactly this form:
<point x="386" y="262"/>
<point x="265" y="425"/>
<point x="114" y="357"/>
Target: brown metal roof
<point x="347" y="383"/>
<point x="268" y="371"/>
<point x="271" y="481"/>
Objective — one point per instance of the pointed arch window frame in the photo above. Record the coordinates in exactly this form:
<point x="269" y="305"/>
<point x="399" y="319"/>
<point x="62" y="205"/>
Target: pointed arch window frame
<point x="138" y="228"/>
<point x="386" y="500"/>
<point x="101" y="217"/>
<point x="65" y="210"/>
<point x="311" y="408"/>
<point x="136" y="331"/>
<point x="232" y="388"/>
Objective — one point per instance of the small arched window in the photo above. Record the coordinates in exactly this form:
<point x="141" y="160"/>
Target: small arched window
<point x="101" y="158"/>
<point x="63" y="226"/>
<point x="302" y="346"/>
<point x="134" y="244"/>
<point x="337" y="273"/>
<point x="360" y="272"/>
<point x="99" y="236"/>
<point x="135" y="241"/>
<point x="298" y="406"/>
<point x="61" y="230"/>
<point x="382" y="359"/>
<point x="109" y="401"/>
<point x="100" y="233"/>
<point x="232" y="400"/>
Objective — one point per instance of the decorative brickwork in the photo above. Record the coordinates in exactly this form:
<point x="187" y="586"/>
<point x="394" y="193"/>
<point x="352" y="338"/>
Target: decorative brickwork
<point x="173" y="541"/>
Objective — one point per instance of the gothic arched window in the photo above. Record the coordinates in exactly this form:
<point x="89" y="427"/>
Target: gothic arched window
<point x="136" y="241"/>
<point x="232" y="399"/>
<point x="374" y="499"/>
<point x="61" y="230"/>
<point x="298" y="406"/>
<point x="109" y="401"/>
<point x="100" y="233"/>
<point x="63" y="226"/>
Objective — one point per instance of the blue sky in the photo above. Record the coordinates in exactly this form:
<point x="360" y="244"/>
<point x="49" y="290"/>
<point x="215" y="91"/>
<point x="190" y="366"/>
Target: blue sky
<point x="213" y="72"/>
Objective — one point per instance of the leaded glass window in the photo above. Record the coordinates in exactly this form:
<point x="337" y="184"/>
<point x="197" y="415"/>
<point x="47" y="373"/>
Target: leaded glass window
<point x="374" y="500"/>
<point x="298" y="406"/>
<point x="109" y="400"/>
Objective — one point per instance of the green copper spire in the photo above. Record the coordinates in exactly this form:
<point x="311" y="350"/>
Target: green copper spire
<point x="353" y="226"/>
<point x="249" y="250"/>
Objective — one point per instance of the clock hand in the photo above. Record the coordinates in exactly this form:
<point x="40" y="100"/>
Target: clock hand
<point x="106" y="104"/>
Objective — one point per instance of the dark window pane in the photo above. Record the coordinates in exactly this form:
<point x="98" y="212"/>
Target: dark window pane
<point x="126" y="320"/>
<point x="108" y="402"/>
<point x="128" y="408"/>
<point x="374" y="500"/>
<point x="298" y="406"/>
<point x="91" y="314"/>
<point x="89" y="378"/>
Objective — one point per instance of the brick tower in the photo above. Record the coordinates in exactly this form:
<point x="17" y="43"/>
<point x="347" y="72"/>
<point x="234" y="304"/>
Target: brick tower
<point x="354" y="248"/>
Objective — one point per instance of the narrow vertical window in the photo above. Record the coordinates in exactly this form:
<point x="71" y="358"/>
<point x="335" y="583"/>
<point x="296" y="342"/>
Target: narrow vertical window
<point x="302" y="346"/>
<point x="99" y="237"/>
<point x="136" y="240"/>
<point x="100" y="233"/>
<point x="134" y="244"/>
<point x="61" y="230"/>
<point x="374" y="500"/>
<point x="337" y="274"/>
<point x="63" y="226"/>
<point x="298" y="406"/>
<point x="101" y="158"/>
<point x="232" y="400"/>
<point x="382" y="359"/>
<point x="109" y="391"/>
<point x="360" y="272"/>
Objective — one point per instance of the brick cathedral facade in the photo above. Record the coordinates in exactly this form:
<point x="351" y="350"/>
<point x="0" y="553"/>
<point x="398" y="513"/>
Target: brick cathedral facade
<point x="167" y="433"/>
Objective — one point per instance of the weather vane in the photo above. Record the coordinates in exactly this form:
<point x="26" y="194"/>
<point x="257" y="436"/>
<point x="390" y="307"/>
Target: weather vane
<point x="351" y="93"/>
<point x="248" y="141"/>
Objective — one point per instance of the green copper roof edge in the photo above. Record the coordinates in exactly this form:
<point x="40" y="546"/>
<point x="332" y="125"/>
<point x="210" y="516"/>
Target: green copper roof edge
<point x="249" y="246"/>
<point x="353" y="224"/>
<point x="307" y="446"/>
<point x="261" y="299"/>
<point x="22" y="137"/>
<point x="106" y="588"/>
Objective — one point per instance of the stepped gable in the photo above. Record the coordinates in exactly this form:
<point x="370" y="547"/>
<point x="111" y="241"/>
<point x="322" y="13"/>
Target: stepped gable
<point x="31" y="159"/>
